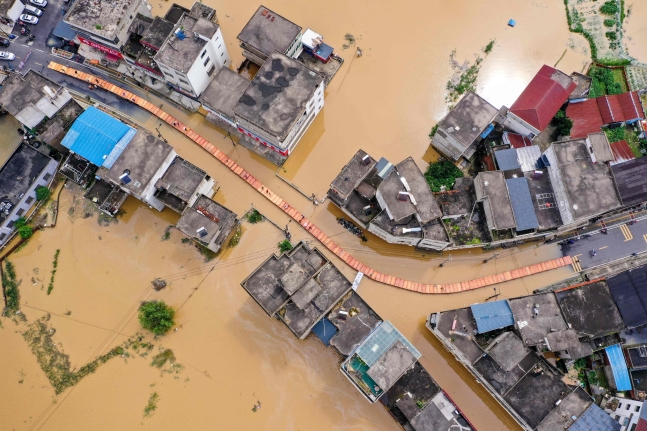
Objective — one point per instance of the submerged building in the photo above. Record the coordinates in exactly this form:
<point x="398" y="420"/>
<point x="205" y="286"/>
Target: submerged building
<point x="392" y="201"/>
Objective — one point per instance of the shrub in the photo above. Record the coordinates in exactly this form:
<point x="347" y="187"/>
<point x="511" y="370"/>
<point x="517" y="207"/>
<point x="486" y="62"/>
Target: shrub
<point x="12" y="294"/>
<point x="433" y="131"/>
<point x="42" y="193"/>
<point x="563" y="123"/>
<point x="254" y="217"/>
<point x="609" y="8"/>
<point x="284" y="246"/>
<point x="156" y="316"/>
<point x="25" y="232"/>
<point x="488" y="48"/>
<point x="611" y="35"/>
<point x="20" y="222"/>
<point x="609" y="22"/>
<point x="616" y="134"/>
<point x="603" y="82"/>
<point x="442" y="173"/>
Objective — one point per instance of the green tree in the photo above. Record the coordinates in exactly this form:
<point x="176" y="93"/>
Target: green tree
<point x="284" y="246"/>
<point x="254" y="217"/>
<point x="609" y="22"/>
<point x="442" y="173"/>
<point x="42" y="193"/>
<point x="25" y="232"/>
<point x="609" y="8"/>
<point x="563" y="123"/>
<point x="156" y="316"/>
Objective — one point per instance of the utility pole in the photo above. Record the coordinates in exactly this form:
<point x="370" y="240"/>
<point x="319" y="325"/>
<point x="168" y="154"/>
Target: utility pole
<point x="229" y="135"/>
<point x="449" y="258"/>
<point x="494" y="256"/>
<point x="496" y="295"/>
<point x="159" y="134"/>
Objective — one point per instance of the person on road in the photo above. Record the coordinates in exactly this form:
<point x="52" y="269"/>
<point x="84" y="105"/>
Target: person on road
<point x="593" y="252"/>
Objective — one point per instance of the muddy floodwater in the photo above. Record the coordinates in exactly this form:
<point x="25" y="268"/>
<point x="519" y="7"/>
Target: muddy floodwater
<point x="229" y="354"/>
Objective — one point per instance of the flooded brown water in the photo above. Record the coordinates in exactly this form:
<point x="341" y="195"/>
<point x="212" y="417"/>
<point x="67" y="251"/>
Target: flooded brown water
<point x="234" y="355"/>
<point x="635" y="36"/>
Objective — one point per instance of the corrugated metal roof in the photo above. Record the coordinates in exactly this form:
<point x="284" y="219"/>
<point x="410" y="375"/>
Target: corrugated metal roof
<point x="492" y="315"/>
<point x="589" y="116"/>
<point x="619" y="367"/>
<point x="542" y="98"/>
<point x="628" y="290"/>
<point x="516" y="140"/>
<point x="586" y="118"/>
<point x="380" y="341"/>
<point x="622" y="152"/>
<point x="528" y="157"/>
<point x="631" y="180"/>
<point x="95" y="134"/>
<point x="507" y="159"/>
<point x="64" y="31"/>
<point x="522" y="207"/>
<point x="595" y="419"/>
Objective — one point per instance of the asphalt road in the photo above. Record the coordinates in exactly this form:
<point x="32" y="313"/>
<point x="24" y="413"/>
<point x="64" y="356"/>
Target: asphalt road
<point x="620" y="241"/>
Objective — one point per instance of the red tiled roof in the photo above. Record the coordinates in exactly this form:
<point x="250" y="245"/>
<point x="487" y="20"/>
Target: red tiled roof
<point x="590" y="115"/>
<point x="621" y="152"/>
<point x="586" y="118"/>
<point x="542" y="98"/>
<point x="517" y="141"/>
<point x="642" y="425"/>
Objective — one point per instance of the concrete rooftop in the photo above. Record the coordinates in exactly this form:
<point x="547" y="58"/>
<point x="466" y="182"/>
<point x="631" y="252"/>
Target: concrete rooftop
<point x="181" y="179"/>
<point x="224" y="91"/>
<point x="548" y="318"/>
<point x="589" y="186"/>
<point x="141" y="158"/>
<point x="465" y="324"/>
<point x="601" y="147"/>
<point x="415" y="385"/>
<point x="497" y="206"/>
<point x="157" y="32"/>
<point x="590" y="309"/>
<point x="101" y="17"/>
<point x="391" y="365"/>
<point x="439" y="414"/>
<point x="267" y="32"/>
<point x="192" y="220"/>
<point x="352" y="329"/>
<point x="352" y="174"/>
<point x="278" y="94"/>
<point x="573" y="405"/>
<point x="507" y="350"/>
<point x="426" y="205"/>
<point x="471" y="115"/>
<point x="181" y="54"/>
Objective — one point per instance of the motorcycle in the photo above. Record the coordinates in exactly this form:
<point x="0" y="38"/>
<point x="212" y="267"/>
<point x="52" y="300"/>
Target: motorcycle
<point x="31" y="37"/>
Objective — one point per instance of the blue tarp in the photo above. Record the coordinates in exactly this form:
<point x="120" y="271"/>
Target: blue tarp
<point x="619" y="367"/>
<point x="492" y="315"/>
<point x="325" y="330"/>
<point x="95" y="134"/>
<point x="522" y="206"/>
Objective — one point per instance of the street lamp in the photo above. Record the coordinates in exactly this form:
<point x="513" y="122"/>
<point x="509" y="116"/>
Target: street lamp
<point x="494" y="256"/>
<point x="446" y="260"/>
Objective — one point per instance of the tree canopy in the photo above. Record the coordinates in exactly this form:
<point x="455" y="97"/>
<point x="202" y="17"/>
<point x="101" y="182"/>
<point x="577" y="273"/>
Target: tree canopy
<point x="156" y="316"/>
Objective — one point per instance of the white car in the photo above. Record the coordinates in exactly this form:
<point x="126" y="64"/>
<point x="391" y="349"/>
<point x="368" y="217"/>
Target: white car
<point x="39" y="3"/>
<point x="4" y="55"/>
<point x="29" y="19"/>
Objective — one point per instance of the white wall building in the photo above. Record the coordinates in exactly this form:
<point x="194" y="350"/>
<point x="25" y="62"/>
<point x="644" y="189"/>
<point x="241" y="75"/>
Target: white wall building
<point x="626" y="413"/>
<point x="192" y="55"/>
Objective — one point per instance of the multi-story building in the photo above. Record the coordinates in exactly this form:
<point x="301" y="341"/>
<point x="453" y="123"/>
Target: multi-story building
<point x="10" y="11"/>
<point x="105" y="25"/>
<point x="267" y="32"/>
<point x="191" y="55"/>
<point x="626" y="411"/>
<point x="280" y="104"/>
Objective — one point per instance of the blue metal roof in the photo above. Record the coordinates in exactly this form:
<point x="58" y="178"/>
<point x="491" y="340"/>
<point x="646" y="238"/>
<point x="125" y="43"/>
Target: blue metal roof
<point x="381" y="340"/>
<point x="325" y="330"/>
<point x="507" y="159"/>
<point x="64" y="31"/>
<point x="522" y="207"/>
<point x="492" y="315"/>
<point x="595" y="419"/>
<point x="95" y="134"/>
<point x="619" y="367"/>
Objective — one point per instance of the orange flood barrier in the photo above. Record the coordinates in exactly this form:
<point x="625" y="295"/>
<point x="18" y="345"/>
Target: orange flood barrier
<point x="300" y="218"/>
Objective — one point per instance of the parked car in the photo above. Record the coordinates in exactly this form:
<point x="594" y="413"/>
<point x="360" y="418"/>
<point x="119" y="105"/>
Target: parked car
<point x="4" y="42"/>
<point x="4" y="55"/>
<point x="33" y="10"/>
<point x="39" y="3"/>
<point x="29" y="19"/>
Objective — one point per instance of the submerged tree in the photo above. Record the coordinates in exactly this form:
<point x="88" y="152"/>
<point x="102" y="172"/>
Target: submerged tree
<point x="156" y="316"/>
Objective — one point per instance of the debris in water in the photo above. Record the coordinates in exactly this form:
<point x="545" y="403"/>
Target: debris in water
<point x="256" y="406"/>
<point x="158" y="284"/>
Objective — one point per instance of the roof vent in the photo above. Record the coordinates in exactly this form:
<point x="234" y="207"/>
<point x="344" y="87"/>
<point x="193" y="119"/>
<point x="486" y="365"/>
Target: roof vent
<point x="366" y="160"/>
<point x="264" y="12"/>
<point x="125" y="178"/>
<point x="486" y="183"/>
<point x="457" y="128"/>
<point x="202" y="232"/>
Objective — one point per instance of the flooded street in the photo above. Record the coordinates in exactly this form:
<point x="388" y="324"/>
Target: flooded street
<point x="232" y="353"/>
<point x="636" y="31"/>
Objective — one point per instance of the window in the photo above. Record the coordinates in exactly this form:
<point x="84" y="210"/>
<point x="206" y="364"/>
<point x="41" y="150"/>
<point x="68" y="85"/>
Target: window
<point x="206" y="62"/>
<point x="619" y="405"/>
<point x="637" y="408"/>
<point x="185" y="81"/>
<point x="30" y="199"/>
<point x="47" y="176"/>
<point x="203" y="53"/>
<point x="222" y="54"/>
<point x="210" y="72"/>
<point x="219" y="46"/>
<point x="20" y="212"/>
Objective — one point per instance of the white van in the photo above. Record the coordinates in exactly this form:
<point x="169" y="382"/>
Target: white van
<point x="33" y="10"/>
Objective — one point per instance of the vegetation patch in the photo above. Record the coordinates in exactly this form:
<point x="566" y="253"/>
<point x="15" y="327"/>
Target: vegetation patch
<point x="433" y="131"/>
<point x="254" y="216"/>
<point x="235" y="239"/>
<point x="350" y="41"/>
<point x="152" y="404"/>
<point x="563" y="123"/>
<point x="284" y="246"/>
<point x="156" y="316"/>
<point x="10" y="288"/>
<point x="42" y="193"/>
<point x="610" y="22"/>
<point x="465" y="75"/>
<point x="55" y="364"/>
<point x="24" y="230"/>
<point x="628" y="134"/>
<point x="606" y="81"/>
<point x="441" y="175"/>
<point x="167" y="233"/>
<point x="54" y="266"/>
<point x="166" y="362"/>
<point x="609" y="8"/>
<point x="208" y="255"/>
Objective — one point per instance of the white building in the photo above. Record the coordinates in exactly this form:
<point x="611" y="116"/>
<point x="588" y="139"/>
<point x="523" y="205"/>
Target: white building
<point x="192" y="54"/>
<point x="280" y="104"/>
<point x="10" y="11"/>
<point x="627" y="412"/>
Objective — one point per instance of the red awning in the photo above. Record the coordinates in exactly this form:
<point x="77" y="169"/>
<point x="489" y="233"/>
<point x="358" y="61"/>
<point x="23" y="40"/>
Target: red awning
<point x="111" y="57"/>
